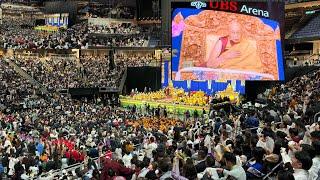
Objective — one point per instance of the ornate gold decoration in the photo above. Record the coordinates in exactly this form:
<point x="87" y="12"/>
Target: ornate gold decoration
<point x="198" y="27"/>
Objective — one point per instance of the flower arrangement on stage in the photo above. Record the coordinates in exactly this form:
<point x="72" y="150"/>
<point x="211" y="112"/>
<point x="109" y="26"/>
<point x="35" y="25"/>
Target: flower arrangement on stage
<point x="150" y="96"/>
<point x="197" y="98"/>
<point x="174" y="95"/>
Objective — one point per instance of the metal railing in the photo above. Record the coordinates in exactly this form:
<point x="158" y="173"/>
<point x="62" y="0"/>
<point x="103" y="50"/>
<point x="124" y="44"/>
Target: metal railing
<point x="70" y="168"/>
<point x="317" y="115"/>
<point x="267" y="176"/>
<point x="257" y="127"/>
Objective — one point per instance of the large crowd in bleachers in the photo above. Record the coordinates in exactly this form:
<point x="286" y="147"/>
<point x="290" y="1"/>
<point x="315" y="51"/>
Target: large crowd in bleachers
<point x="134" y="40"/>
<point x="14" y="35"/>
<point x="49" y="72"/>
<point x="118" y="12"/>
<point x="149" y="143"/>
<point x="123" y="12"/>
<point x="279" y="137"/>
<point x="98" y="72"/>
<point x="14" y="89"/>
<point x="63" y="73"/>
<point x="135" y="60"/>
<point x="120" y="28"/>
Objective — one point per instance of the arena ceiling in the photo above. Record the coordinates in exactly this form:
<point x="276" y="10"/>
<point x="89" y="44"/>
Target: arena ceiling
<point x="296" y="15"/>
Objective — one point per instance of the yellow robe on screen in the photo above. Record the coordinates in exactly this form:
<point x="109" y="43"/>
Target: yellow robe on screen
<point x="248" y="61"/>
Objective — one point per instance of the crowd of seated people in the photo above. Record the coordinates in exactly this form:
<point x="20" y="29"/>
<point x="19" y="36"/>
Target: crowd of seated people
<point x="15" y="36"/>
<point x="133" y="60"/>
<point x="98" y="73"/>
<point x="120" y="28"/>
<point x="14" y="89"/>
<point x="118" y="12"/>
<point x="14" y="1"/>
<point x="50" y="71"/>
<point x="71" y="73"/>
<point x="145" y="144"/>
<point x="122" y="41"/>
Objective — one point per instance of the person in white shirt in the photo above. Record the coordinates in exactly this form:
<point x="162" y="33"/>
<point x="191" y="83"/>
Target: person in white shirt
<point x="127" y="159"/>
<point x="315" y="168"/>
<point x="266" y="142"/>
<point x="301" y="163"/>
<point x="150" y="147"/>
<point x="226" y="127"/>
<point x="12" y="161"/>
<point x="234" y="171"/>
<point x="7" y="143"/>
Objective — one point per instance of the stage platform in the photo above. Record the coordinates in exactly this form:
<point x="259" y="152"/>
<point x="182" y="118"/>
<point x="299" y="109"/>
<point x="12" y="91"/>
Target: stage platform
<point x="172" y="108"/>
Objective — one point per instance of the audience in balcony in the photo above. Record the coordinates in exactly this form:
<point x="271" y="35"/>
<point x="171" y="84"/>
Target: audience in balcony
<point x="134" y="60"/>
<point x="120" y="28"/>
<point x="15" y="36"/>
<point x="14" y="89"/>
<point x="118" y="12"/>
<point x="98" y="72"/>
<point x="71" y="73"/>
<point x="124" y="41"/>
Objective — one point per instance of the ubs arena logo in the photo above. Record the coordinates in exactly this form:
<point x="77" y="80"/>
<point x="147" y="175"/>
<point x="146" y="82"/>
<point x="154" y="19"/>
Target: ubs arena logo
<point x="198" y="4"/>
<point x="230" y="6"/>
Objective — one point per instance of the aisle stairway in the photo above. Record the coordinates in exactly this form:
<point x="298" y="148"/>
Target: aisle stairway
<point x="25" y="75"/>
<point x="123" y="80"/>
<point x="153" y="42"/>
<point x="298" y="25"/>
<point x="310" y="28"/>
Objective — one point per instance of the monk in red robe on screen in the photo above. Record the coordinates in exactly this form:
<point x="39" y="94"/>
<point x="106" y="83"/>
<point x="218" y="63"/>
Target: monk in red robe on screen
<point x="234" y="52"/>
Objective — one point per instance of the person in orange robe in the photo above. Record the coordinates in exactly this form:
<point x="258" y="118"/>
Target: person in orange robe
<point x="234" y="52"/>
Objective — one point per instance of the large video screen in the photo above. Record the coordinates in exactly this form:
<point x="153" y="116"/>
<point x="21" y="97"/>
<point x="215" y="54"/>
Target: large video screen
<point x="219" y="45"/>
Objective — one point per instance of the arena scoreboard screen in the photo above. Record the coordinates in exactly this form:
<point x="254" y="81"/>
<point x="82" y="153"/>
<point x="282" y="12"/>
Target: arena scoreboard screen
<point x="227" y="41"/>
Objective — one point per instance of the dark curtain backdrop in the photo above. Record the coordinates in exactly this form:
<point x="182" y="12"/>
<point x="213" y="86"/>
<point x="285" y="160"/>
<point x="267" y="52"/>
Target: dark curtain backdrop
<point x="83" y="91"/>
<point x="141" y="77"/>
<point x="90" y="93"/>
<point x="145" y="8"/>
<point x="253" y="88"/>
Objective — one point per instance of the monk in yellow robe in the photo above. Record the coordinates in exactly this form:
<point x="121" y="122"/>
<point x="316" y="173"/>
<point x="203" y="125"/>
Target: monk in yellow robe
<point x="234" y="52"/>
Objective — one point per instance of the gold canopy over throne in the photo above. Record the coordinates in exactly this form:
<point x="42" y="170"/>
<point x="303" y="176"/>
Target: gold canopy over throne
<point x="202" y="28"/>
